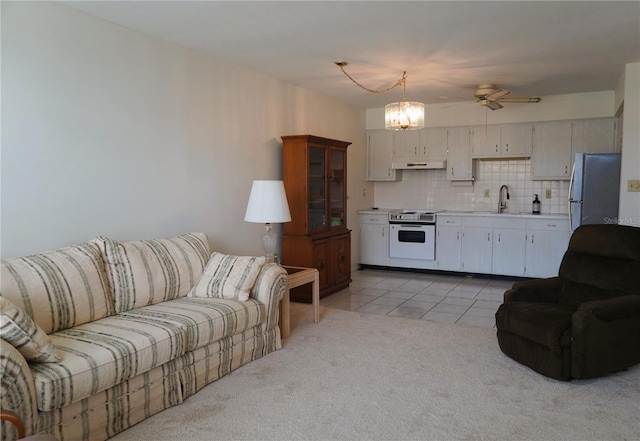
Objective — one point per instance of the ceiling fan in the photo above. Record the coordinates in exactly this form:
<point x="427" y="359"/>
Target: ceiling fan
<point x="490" y="96"/>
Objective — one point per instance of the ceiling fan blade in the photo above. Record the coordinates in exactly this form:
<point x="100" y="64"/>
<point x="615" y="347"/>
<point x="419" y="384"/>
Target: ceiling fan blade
<point x="493" y="105"/>
<point x="532" y="99"/>
<point x="498" y="94"/>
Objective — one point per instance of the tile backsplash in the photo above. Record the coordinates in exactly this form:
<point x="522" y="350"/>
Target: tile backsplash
<point x="431" y="189"/>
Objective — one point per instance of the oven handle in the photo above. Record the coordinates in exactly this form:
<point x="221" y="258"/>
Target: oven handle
<point x="421" y="225"/>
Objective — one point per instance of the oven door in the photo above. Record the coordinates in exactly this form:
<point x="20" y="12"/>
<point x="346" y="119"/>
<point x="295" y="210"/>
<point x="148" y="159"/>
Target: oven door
<point x="412" y="241"/>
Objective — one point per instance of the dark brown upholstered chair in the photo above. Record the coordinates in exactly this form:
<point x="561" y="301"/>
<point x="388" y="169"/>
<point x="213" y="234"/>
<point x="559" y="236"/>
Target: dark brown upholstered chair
<point x="584" y="323"/>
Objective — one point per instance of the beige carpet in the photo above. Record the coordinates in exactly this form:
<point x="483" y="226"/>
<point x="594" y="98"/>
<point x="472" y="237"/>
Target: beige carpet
<point x="358" y="376"/>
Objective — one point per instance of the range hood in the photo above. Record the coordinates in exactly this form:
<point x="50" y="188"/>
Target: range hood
<point x="420" y="165"/>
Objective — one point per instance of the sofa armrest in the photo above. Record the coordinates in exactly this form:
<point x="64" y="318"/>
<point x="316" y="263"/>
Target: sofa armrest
<point x="269" y="289"/>
<point x="535" y="290"/>
<point x="615" y="308"/>
<point x="17" y="391"/>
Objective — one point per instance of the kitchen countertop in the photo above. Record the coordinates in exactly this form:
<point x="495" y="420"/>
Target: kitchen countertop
<point x="495" y="214"/>
<point x="476" y="213"/>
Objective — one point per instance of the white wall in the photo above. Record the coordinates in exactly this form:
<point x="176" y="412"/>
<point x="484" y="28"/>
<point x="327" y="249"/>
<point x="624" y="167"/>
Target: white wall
<point x="107" y="131"/>
<point x="628" y="94"/>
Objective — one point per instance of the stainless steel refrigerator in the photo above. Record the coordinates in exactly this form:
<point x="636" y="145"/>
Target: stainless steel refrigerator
<point x="594" y="189"/>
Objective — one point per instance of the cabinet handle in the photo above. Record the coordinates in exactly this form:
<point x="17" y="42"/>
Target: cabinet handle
<point x="507" y="146"/>
<point x="458" y="235"/>
<point x="551" y="225"/>
<point x="499" y="236"/>
<point x="496" y="148"/>
<point x="452" y="173"/>
<point x="489" y="237"/>
<point x="532" y="238"/>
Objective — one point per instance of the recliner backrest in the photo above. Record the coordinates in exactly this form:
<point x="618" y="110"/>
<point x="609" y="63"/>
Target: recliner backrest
<point x="602" y="261"/>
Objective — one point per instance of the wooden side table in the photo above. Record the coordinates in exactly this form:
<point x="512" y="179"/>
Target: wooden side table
<point x="299" y="276"/>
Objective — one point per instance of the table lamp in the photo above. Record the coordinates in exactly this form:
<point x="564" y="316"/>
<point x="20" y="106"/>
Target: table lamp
<point x="268" y="205"/>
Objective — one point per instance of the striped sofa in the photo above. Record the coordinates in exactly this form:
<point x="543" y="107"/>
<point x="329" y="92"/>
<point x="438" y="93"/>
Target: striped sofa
<point x="100" y="335"/>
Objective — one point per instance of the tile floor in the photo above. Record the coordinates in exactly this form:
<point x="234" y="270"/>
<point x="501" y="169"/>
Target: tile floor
<point x="463" y="300"/>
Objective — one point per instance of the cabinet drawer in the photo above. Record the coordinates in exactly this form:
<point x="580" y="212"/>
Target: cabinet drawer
<point x="448" y="221"/>
<point x="382" y="218"/>
<point x="506" y="221"/>
<point x="548" y="224"/>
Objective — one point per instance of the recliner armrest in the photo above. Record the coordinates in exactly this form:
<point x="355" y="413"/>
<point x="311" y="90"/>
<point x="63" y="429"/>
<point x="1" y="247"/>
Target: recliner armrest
<point x="615" y="308"/>
<point x="535" y="290"/>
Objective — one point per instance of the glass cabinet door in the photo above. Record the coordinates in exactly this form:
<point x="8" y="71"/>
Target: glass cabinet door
<point x="317" y="188"/>
<point x="337" y="189"/>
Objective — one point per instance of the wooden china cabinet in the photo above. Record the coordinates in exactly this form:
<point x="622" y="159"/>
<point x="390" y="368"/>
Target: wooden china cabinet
<point x="315" y="180"/>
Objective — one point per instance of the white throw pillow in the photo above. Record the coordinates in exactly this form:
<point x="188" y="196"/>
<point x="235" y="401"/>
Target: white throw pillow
<point x="228" y="277"/>
<point x="17" y="328"/>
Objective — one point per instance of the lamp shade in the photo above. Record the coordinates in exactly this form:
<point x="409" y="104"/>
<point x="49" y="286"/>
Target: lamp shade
<point x="267" y="203"/>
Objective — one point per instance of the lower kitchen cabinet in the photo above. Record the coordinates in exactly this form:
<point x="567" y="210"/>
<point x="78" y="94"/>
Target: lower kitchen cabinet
<point x="477" y="250"/>
<point x="374" y="239"/>
<point x="509" y="252"/>
<point x="330" y="255"/>
<point x="547" y="241"/>
<point x="449" y="244"/>
<point x="502" y="245"/>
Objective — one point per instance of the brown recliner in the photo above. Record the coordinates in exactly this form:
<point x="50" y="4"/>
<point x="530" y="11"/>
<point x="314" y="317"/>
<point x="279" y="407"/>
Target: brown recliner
<point x="584" y="323"/>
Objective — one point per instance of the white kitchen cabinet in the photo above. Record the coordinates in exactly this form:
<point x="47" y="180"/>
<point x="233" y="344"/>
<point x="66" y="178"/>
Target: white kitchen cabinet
<point x="516" y="140"/>
<point x="555" y="144"/>
<point x="509" y="252"/>
<point x="502" y="141"/>
<point x="547" y="241"/>
<point x="374" y="239"/>
<point x="380" y="156"/>
<point x="551" y="150"/>
<point x="593" y="136"/>
<point x="459" y="163"/>
<point x="434" y="142"/>
<point x="406" y="144"/>
<point x="477" y="250"/>
<point x="449" y="243"/>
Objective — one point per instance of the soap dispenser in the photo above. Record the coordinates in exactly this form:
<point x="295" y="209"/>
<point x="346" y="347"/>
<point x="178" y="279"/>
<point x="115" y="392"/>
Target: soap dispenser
<point x="535" y="205"/>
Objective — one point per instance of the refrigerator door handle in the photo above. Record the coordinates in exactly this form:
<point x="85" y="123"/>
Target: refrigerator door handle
<point x="571" y="200"/>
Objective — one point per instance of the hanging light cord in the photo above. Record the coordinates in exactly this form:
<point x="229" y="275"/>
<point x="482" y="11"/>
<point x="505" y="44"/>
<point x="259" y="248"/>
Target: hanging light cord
<point x="401" y="82"/>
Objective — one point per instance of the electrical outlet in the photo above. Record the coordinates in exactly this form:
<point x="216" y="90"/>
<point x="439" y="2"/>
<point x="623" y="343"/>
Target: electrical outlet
<point x="547" y="193"/>
<point x="487" y="193"/>
<point x="633" y="185"/>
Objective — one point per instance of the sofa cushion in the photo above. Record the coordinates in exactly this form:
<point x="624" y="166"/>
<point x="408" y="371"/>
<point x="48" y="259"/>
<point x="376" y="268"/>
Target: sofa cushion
<point x="204" y="320"/>
<point x="228" y="277"/>
<point x="24" y="334"/>
<point x="146" y="272"/>
<point x="58" y="289"/>
<point x="101" y="354"/>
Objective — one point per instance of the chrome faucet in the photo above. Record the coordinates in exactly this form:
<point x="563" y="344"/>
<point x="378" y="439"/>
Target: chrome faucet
<point x="502" y="204"/>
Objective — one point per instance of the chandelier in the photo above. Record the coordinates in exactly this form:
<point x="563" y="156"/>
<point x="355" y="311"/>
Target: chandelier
<point x="403" y="115"/>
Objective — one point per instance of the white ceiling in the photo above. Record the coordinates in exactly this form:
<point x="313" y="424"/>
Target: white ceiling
<point x="534" y="48"/>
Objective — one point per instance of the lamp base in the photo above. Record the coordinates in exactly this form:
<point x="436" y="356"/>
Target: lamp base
<point x="269" y="243"/>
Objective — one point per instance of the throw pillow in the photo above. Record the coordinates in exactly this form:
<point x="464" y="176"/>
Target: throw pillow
<point x="228" y="277"/>
<point x="17" y="328"/>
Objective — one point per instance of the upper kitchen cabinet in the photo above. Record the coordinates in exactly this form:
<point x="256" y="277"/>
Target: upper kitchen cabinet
<point x="594" y="136"/>
<point x="459" y="163"/>
<point x="420" y="144"/>
<point x="502" y="141"/>
<point x="406" y="144"/>
<point x="434" y="142"/>
<point x="380" y="156"/>
<point x="551" y="150"/>
<point x="555" y="144"/>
